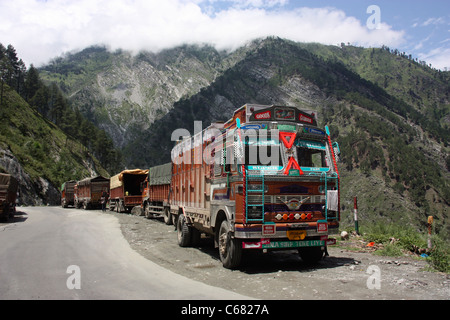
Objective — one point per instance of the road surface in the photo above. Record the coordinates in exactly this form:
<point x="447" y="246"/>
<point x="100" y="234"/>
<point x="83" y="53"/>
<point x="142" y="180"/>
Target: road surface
<point x="53" y="253"/>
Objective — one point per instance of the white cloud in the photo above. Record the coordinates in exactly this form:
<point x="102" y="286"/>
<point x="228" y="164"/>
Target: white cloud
<point x="434" y="21"/>
<point x="439" y="58"/>
<point x="41" y="30"/>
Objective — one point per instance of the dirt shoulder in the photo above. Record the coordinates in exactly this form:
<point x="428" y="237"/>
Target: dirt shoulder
<point x="344" y="274"/>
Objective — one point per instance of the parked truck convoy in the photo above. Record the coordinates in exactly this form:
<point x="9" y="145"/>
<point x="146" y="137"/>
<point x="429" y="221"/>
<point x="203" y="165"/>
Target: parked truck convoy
<point x="126" y="190"/>
<point x="267" y="179"/>
<point x="8" y="194"/>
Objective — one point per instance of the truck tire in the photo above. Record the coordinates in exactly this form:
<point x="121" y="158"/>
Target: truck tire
<point x="167" y="216"/>
<point x="311" y="255"/>
<point x="230" y="249"/>
<point x="184" y="232"/>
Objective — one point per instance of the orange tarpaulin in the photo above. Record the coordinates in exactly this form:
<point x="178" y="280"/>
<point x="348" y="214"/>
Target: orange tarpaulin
<point x="116" y="181"/>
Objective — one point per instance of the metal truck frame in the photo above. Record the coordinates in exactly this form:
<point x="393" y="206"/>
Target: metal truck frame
<point x="267" y="179"/>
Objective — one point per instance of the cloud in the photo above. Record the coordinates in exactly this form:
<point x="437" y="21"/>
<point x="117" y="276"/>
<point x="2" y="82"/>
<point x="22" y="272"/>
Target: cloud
<point x="439" y="58"/>
<point x="434" y="21"/>
<point x="43" y="29"/>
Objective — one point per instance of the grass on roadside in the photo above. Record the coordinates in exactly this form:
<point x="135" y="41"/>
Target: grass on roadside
<point x="395" y="240"/>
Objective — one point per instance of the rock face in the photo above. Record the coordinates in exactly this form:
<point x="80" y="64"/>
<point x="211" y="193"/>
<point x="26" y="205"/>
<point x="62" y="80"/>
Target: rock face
<point x="39" y="192"/>
<point x="124" y="94"/>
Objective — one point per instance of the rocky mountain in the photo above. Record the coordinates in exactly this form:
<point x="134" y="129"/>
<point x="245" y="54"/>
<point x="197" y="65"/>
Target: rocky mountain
<point x="389" y="112"/>
<point x="124" y="94"/>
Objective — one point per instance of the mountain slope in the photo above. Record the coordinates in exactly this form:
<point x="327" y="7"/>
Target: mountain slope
<point x="125" y="94"/>
<point x="394" y="157"/>
<point x="38" y="153"/>
<point x="389" y="113"/>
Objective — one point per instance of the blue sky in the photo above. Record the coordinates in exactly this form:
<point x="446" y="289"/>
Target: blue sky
<point x="44" y="29"/>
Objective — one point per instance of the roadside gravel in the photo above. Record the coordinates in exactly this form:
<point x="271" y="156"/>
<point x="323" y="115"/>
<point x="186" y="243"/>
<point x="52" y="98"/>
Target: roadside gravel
<point x="343" y="275"/>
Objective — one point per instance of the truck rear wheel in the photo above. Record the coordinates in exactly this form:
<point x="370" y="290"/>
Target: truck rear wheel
<point x="184" y="232"/>
<point x="230" y="249"/>
<point x="167" y="216"/>
<point x="311" y="255"/>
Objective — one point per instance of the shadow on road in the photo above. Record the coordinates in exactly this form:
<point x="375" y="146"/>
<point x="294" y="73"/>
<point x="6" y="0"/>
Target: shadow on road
<point x="256" y="262"/>
<point x="19" y="216"/>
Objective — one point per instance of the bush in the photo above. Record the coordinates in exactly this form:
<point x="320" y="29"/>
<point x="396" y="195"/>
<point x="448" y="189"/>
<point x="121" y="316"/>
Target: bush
<point x="440" y="255"/>
<point x="407" y="239"/>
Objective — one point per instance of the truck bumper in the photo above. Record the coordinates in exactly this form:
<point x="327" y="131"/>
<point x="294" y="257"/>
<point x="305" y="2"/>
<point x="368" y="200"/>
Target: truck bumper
<point x="280" y="231"/>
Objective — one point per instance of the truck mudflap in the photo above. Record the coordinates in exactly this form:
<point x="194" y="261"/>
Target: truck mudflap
<point x="288" y="244"/>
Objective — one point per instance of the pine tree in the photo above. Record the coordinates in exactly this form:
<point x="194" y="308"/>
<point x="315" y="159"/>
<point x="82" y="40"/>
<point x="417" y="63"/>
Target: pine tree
<point x="32" y="83"/>
<point x="11" y="55"/>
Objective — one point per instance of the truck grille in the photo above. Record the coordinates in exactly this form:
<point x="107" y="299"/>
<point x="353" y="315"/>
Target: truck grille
<point x="274" y="203"/>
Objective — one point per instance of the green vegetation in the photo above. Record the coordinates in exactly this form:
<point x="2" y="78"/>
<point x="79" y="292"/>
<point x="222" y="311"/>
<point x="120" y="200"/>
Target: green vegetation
<point x="50" y="102"/>
<point x="399" y="240"/>
<point x="43" y="150"/>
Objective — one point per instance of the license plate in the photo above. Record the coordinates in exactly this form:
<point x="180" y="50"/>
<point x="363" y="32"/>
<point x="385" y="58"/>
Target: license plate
<point x="296" y="234"/>
<point x="269" y="229"/>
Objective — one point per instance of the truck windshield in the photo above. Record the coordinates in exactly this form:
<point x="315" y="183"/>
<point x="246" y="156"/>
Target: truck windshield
<point x="262" y="152"/>
<point x="311" y="154"/>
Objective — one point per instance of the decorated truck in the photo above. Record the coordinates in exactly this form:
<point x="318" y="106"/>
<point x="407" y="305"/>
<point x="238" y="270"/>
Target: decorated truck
<point x="267" y="179"/>
<point x="88" y="192"/>
<point x="126" y="190"/>
<point x="8" y="194"/>
<point x="156" y="191"/>
<point x="67" y="193"/>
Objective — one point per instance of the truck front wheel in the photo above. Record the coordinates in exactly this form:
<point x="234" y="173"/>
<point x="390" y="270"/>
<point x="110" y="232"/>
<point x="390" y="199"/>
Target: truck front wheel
<point x="230" y="249"/>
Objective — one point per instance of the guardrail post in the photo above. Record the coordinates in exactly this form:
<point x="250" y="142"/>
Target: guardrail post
<point x="430" y="225"/>
<point x="356" y="215"/>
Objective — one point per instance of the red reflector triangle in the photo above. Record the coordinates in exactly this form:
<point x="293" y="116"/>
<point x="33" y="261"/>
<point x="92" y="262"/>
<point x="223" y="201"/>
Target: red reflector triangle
<point x="292" y="163"/>
<point x="285" y="135"/>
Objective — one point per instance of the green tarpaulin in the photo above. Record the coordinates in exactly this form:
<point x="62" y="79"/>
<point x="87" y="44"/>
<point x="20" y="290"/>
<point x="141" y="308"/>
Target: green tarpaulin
<point x="160" y="174"/>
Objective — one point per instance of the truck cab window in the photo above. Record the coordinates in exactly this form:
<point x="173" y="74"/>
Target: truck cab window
<point x="311" y="154"/>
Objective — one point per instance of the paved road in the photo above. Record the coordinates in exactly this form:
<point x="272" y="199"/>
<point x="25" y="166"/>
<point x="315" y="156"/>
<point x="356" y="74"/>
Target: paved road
<point x="46" y="252"/>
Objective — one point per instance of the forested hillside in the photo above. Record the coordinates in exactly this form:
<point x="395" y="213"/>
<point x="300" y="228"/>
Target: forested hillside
<point x="43" y="141"/>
